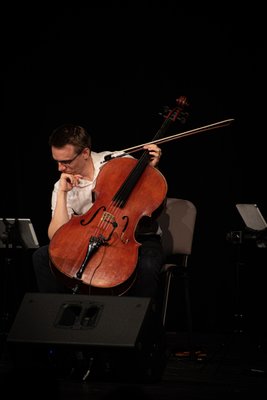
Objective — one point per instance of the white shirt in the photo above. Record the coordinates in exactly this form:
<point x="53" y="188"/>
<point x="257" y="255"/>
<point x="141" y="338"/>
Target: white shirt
<point x="79" y="199"/>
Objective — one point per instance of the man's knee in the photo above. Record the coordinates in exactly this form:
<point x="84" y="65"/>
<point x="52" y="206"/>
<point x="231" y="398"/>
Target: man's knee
<point x="40" y="255"/>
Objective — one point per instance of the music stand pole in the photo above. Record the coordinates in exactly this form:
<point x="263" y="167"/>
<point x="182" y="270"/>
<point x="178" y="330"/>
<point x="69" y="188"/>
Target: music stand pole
<point x="7" y="239"/>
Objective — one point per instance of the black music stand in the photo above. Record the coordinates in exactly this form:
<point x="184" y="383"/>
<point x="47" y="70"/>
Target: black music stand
<point x="250" y="259"/>
<point x="15" y="233"/>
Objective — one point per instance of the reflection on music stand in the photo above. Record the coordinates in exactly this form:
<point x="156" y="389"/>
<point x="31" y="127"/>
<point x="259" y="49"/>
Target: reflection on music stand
<point x="17" y="233"/>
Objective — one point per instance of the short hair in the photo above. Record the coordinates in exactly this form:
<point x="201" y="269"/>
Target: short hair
<point x="73" y="134"/>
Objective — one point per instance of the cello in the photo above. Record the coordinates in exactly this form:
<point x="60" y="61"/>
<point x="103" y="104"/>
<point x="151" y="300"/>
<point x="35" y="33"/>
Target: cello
<point x="97" y="251"/>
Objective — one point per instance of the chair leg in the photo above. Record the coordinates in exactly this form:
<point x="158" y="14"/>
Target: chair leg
<point x="165" y="300"/>
<point x="188" y="315"/>
<point x="188" y="310"/>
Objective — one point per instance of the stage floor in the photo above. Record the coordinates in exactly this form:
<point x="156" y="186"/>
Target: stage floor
<point x="222" y="366"/>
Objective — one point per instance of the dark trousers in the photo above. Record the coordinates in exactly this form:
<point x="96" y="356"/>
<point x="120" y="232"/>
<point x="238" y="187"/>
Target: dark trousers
<point x="148" y="269"/>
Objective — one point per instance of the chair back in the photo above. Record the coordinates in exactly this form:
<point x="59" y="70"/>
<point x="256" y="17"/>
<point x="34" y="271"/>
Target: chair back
<point x="177" y="222"/>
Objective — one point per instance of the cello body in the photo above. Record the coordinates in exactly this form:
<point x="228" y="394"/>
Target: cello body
<point x="97" y="252"/>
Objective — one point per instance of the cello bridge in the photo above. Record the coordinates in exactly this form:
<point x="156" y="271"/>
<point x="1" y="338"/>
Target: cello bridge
<point x="109" y="218"/>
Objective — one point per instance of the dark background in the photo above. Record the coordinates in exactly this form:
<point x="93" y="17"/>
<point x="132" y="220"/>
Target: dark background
<point x="113" y="69"/>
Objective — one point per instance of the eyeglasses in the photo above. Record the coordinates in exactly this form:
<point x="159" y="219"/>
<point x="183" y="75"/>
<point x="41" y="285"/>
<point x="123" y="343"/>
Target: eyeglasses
<point x="66" y="163"/>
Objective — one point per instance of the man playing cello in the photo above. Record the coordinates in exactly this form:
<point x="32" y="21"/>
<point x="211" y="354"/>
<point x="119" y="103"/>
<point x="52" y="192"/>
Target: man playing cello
<point x="74" y="195"/>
